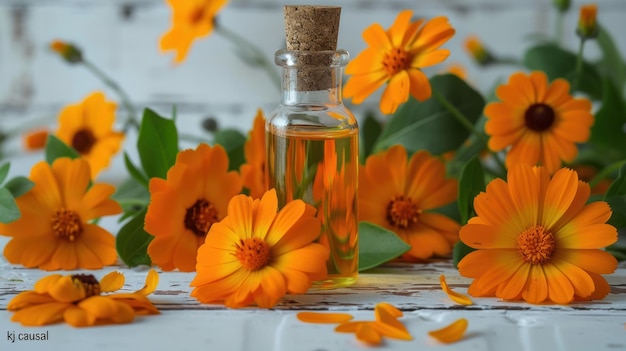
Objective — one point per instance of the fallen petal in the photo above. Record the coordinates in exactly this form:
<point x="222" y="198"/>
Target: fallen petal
<point x="454" y="296"/>
<point x="451" y="333"/>
<point x="319" y="317"/>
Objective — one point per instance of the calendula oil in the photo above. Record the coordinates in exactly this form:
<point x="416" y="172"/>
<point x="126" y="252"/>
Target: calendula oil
<point x="312" y="138"/>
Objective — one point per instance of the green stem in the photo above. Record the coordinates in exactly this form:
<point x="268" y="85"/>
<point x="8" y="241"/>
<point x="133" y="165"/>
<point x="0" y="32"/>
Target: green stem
<point x="579" y="64"/>
<point x="131" y="121"/>
<point x="605" y="173"/>
<point x="461" y="118"/>
<point x="559" y="28"/>
<point x="256" y="55"/>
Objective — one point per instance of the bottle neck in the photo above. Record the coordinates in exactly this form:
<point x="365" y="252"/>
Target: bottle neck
<point x="311" y="86"/>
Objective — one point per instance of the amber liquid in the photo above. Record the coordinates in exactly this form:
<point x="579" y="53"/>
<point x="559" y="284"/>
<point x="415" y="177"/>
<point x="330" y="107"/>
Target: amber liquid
<point x="321" y="168"/>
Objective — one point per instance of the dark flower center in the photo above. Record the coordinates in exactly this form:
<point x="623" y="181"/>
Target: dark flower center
<point x="83" y="141"/>
<point x="89" y="282"/>
<point x="539" y="117"/>
<point x="402" y="212"/>
<point x="253" y="253"/>
<point x="396" y="60"/>
<point x="536" y="245"/>
<point x="66" y="224"/>
<point x="200" y="217"/>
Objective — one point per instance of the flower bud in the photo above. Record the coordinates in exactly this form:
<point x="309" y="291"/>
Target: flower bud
<point x="562" y="5"/>
<point x="67" y="51"/>
<point x="475" y="47"/>
<point x="587" y="25"/>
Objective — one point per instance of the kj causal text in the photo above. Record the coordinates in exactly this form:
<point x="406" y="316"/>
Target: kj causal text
<point x="13" y="336"/>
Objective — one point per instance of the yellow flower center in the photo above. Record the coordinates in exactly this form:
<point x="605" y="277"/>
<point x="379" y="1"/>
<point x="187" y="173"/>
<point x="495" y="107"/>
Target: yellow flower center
<point x="402" y="212"/>
<point x="83" y="141"/>
<point x="396" y="60"/>
<point x="539" y="117"/>
<point x="89" y="282"/>
<point x="253" y="253"/>
<point x="536" y="244"/>
<point x="200" y="217"/>
<point x="66" y="224"/>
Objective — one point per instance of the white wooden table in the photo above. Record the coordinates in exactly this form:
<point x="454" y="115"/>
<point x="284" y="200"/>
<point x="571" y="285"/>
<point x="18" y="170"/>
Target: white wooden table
<point x="185" y="324"/>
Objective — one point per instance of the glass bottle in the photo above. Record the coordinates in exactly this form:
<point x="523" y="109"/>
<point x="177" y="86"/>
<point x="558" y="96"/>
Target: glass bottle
<point x="312" y="153"/>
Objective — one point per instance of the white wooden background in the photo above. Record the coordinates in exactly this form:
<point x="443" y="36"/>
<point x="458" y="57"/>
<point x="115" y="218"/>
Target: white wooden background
<point x="121" y="37"/>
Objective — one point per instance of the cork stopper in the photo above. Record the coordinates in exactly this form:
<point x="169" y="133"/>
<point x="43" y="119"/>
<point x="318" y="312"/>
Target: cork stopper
<point x="308" y="30"/>
<point x="312" y="28"/>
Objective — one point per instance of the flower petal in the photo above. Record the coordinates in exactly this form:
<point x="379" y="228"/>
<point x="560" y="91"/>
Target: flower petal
<point x="454" y="296"/>
<point x="320" y="317"/>
<point x="451" y="333"/>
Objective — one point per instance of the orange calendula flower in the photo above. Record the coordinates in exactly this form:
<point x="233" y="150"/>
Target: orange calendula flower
<point x="396" y="57"/>
<point x="540" y="122"/>
<point x="191" y="19"/>
<point x="453" y="295"/>
<point x="184" y="206"/>
<point x="54" y="231"/>
<point x="587" y="24"/>
<point x="402" y="202"/>
<point x="253" y="171"/>
<point x="81" y="300"/>
<point x="35" y="139"/>
<point x="538" y="240"/>
<point x="257" y="254"/>
<point x="87" y="127"/>
<point x="451" y="333"/>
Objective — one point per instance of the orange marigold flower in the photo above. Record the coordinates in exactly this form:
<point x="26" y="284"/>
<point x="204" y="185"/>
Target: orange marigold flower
<point x="587" y="24"/>
<point x="402" y="203"/>
<point x="87" y="127"/>
<point x="191" y="19"/>
<point x="256" y="255"/>
<point x="540" y="122"/>
<point x="54" y="231"/>
<point x="78" y="299"/>
<point x="537" y="240"/>
<point x="184" y="206"/>
<point x="35" y="139"/>
<point x="396" y="57"/>
<point x="253" y="171"/>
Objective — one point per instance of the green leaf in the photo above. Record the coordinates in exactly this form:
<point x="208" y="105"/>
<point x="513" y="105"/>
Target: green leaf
<point x="430" y="125"/>
<point x="618" y="186"/>
<point x="370" y="130"/>
<point x="157" y="144"/>
<point x="4" y="171"/>
<point x="559" y="63"/>
<point x="607" y="131"/>
<point x="471" y="183"/>
<point x="618" y="208"/>
<point x="132" y="242"/>
<point x="459" y="251"/>
<point x="378" y="245"/>
<point x="9" y="211"/>
<point x="132" y="196"/>
<point x="233" y="142"/>
<point x="135" y="172"/>
<point x="55" y="148"/>
<point x="612" y="64"/>
<point x="19" y="185"/>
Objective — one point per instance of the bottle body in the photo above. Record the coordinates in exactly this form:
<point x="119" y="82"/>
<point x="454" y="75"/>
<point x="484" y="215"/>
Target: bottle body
<point x="312" y="155"/>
